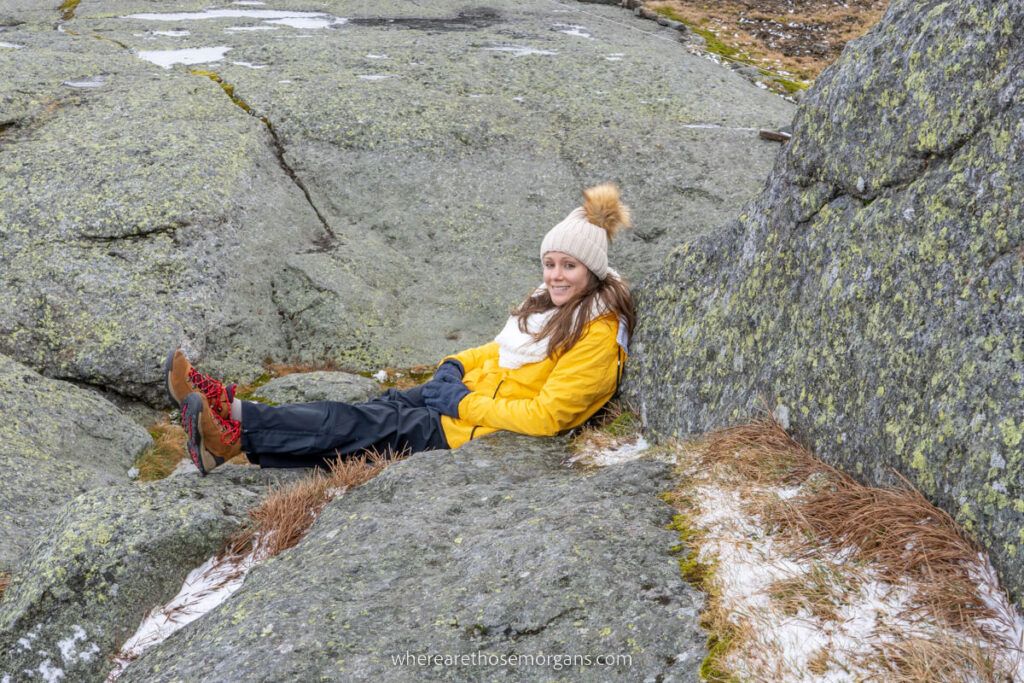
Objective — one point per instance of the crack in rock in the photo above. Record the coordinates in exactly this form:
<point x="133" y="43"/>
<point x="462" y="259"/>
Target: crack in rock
<point x="170" y="229"/>
<point x="279" y="151"/>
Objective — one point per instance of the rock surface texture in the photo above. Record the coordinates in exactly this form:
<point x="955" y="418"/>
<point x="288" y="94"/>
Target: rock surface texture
<point x="493" y="549"/>
<point x="303" y="387"/>
<point x="381" y="207"/>
<point x="111" y="555"/>
<point x="56" y="441"/>
<point x="873" y="294"/>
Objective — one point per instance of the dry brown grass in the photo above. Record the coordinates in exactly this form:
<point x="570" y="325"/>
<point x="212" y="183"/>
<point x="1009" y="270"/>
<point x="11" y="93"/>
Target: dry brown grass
<point x="819" y="592"/>
<point x="760" y="452"/>
<point x="5" y="581"/>
<point x="901" y="533"/>
<point x="897" y="529"/>
<point x="284" y="516"/>
<point x="819" y="664"/>
<point x="802" y="38"/>
<point x="167" y="451"/>
<point x="939" y="659"/>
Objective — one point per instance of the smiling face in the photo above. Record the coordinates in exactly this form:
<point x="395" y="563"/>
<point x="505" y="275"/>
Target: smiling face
<point x="564" y="276"/>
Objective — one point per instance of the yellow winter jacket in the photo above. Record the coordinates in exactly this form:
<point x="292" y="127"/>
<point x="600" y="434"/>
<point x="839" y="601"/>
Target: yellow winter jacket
<point x="542" y="398"/>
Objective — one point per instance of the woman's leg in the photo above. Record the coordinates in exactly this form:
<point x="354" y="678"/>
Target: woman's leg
<point x="311" y="434"/>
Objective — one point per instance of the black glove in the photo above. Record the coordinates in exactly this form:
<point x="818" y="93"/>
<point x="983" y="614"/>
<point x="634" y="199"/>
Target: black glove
<point x="449" y="371"/>
<point x="444" y="397"/>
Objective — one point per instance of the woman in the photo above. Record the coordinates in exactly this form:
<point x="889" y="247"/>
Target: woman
<point x="555" y="363"/>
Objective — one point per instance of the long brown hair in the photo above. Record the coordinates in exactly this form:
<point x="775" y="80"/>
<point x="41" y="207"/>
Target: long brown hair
<point x="565" y="327"/>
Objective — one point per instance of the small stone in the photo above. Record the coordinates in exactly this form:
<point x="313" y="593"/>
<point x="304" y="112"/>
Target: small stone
<point x="781" y="414"/>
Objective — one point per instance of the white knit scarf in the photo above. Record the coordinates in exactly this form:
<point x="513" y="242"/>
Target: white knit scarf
<point x="517" y="348"/>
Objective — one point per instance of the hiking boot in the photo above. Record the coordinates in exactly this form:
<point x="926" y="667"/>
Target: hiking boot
<point x="181" y="379"/>
<point x="212" y="440"/>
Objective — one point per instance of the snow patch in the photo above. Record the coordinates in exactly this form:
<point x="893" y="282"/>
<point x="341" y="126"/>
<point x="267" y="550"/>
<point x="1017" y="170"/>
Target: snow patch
<point x="715" y="126"/>
<point x="374" y="77"/>
<point x="205" y="588"/>
<point x="49" y="672"/>
<point x="303" y="23"/>
<point x="373" y="56"/>
<point x="1007" y="624"/>
<point x="381" y="375"/>
<point x="180" y="33"/>
<point x="227" y="14"/>
<point x="11" y="46"/>
<point x="845" y="612"/>
<point x="574" y="30"/>
<point x="192" y="55"/>
<point x="788" y="492"/>
<point x="615" y="455"/>
<point x="69" y="651"/>
<point x="235" y="29"/>
<point x="624" y="453"/>
<point x="87" y="83"/>
<point x="184" y="466"/>
<point x="250" y="65"/>
<point x="519" y="50"/>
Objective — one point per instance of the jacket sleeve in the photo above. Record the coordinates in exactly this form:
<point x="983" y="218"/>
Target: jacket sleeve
<point x="474" y="358"/>
<point x="583" y="375"/>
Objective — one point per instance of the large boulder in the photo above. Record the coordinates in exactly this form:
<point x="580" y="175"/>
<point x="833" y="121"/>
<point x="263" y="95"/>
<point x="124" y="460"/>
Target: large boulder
<point x="873" y="294"/>
<point x="382" y="207"/>
<point x="493" y="551"/>
<point x="57" y="440"/>
<point x="110" y="556"/>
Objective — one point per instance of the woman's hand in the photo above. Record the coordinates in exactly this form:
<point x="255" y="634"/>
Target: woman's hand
<point x="445" y="396"/>
<point x="449" y="371"/>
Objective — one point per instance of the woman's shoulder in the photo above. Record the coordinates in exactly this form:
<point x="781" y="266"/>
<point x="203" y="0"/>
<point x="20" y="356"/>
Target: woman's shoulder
<point x="604" y="325"/>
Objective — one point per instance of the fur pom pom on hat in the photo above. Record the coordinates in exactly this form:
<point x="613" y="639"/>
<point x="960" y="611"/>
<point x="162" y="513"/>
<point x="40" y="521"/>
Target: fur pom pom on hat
<point x="585" y="233"/>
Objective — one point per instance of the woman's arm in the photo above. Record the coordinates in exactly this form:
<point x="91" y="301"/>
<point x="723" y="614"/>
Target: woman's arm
<point x="473" y="358"/>
<point x="584" y="376"/>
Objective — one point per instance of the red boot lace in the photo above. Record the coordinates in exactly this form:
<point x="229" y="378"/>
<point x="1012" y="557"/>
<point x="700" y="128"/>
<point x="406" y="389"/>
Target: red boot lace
<point x="209" y="387"/>
<point x="230" y="430"/>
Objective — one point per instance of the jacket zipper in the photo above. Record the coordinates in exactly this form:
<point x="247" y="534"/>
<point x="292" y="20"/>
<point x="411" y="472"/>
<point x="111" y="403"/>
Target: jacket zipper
<point x="494" y="395"/>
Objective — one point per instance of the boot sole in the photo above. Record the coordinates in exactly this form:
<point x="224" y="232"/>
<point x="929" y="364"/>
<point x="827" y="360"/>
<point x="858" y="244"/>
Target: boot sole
<point x="167" y="377"/>
<point x="190" y="411"/>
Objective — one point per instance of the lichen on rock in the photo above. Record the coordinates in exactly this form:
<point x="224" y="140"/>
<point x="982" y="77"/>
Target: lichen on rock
<point x="876" y="286"/>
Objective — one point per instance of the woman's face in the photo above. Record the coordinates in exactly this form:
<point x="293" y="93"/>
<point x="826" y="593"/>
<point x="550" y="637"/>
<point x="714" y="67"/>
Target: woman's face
<point x="564" y="276"/>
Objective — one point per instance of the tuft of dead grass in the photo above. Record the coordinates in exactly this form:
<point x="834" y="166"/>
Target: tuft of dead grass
<point x="818" y="592"/>
<point x="284" y="516"/>
<point x="902" y="534"/>
<point x="896" y="531"/>
<point x="168" y="449"/>
<point x="762" y="452"/>
<point x="939" y="658"/>
<point x="5" y="581"/>
<point x="896" y="528"/>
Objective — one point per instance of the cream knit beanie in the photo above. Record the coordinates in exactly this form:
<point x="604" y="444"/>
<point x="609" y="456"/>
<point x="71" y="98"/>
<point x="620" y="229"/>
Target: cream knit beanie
<point x="586" y="231"/>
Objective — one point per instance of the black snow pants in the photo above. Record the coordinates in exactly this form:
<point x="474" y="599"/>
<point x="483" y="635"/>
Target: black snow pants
<point x="313" y="434"/>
